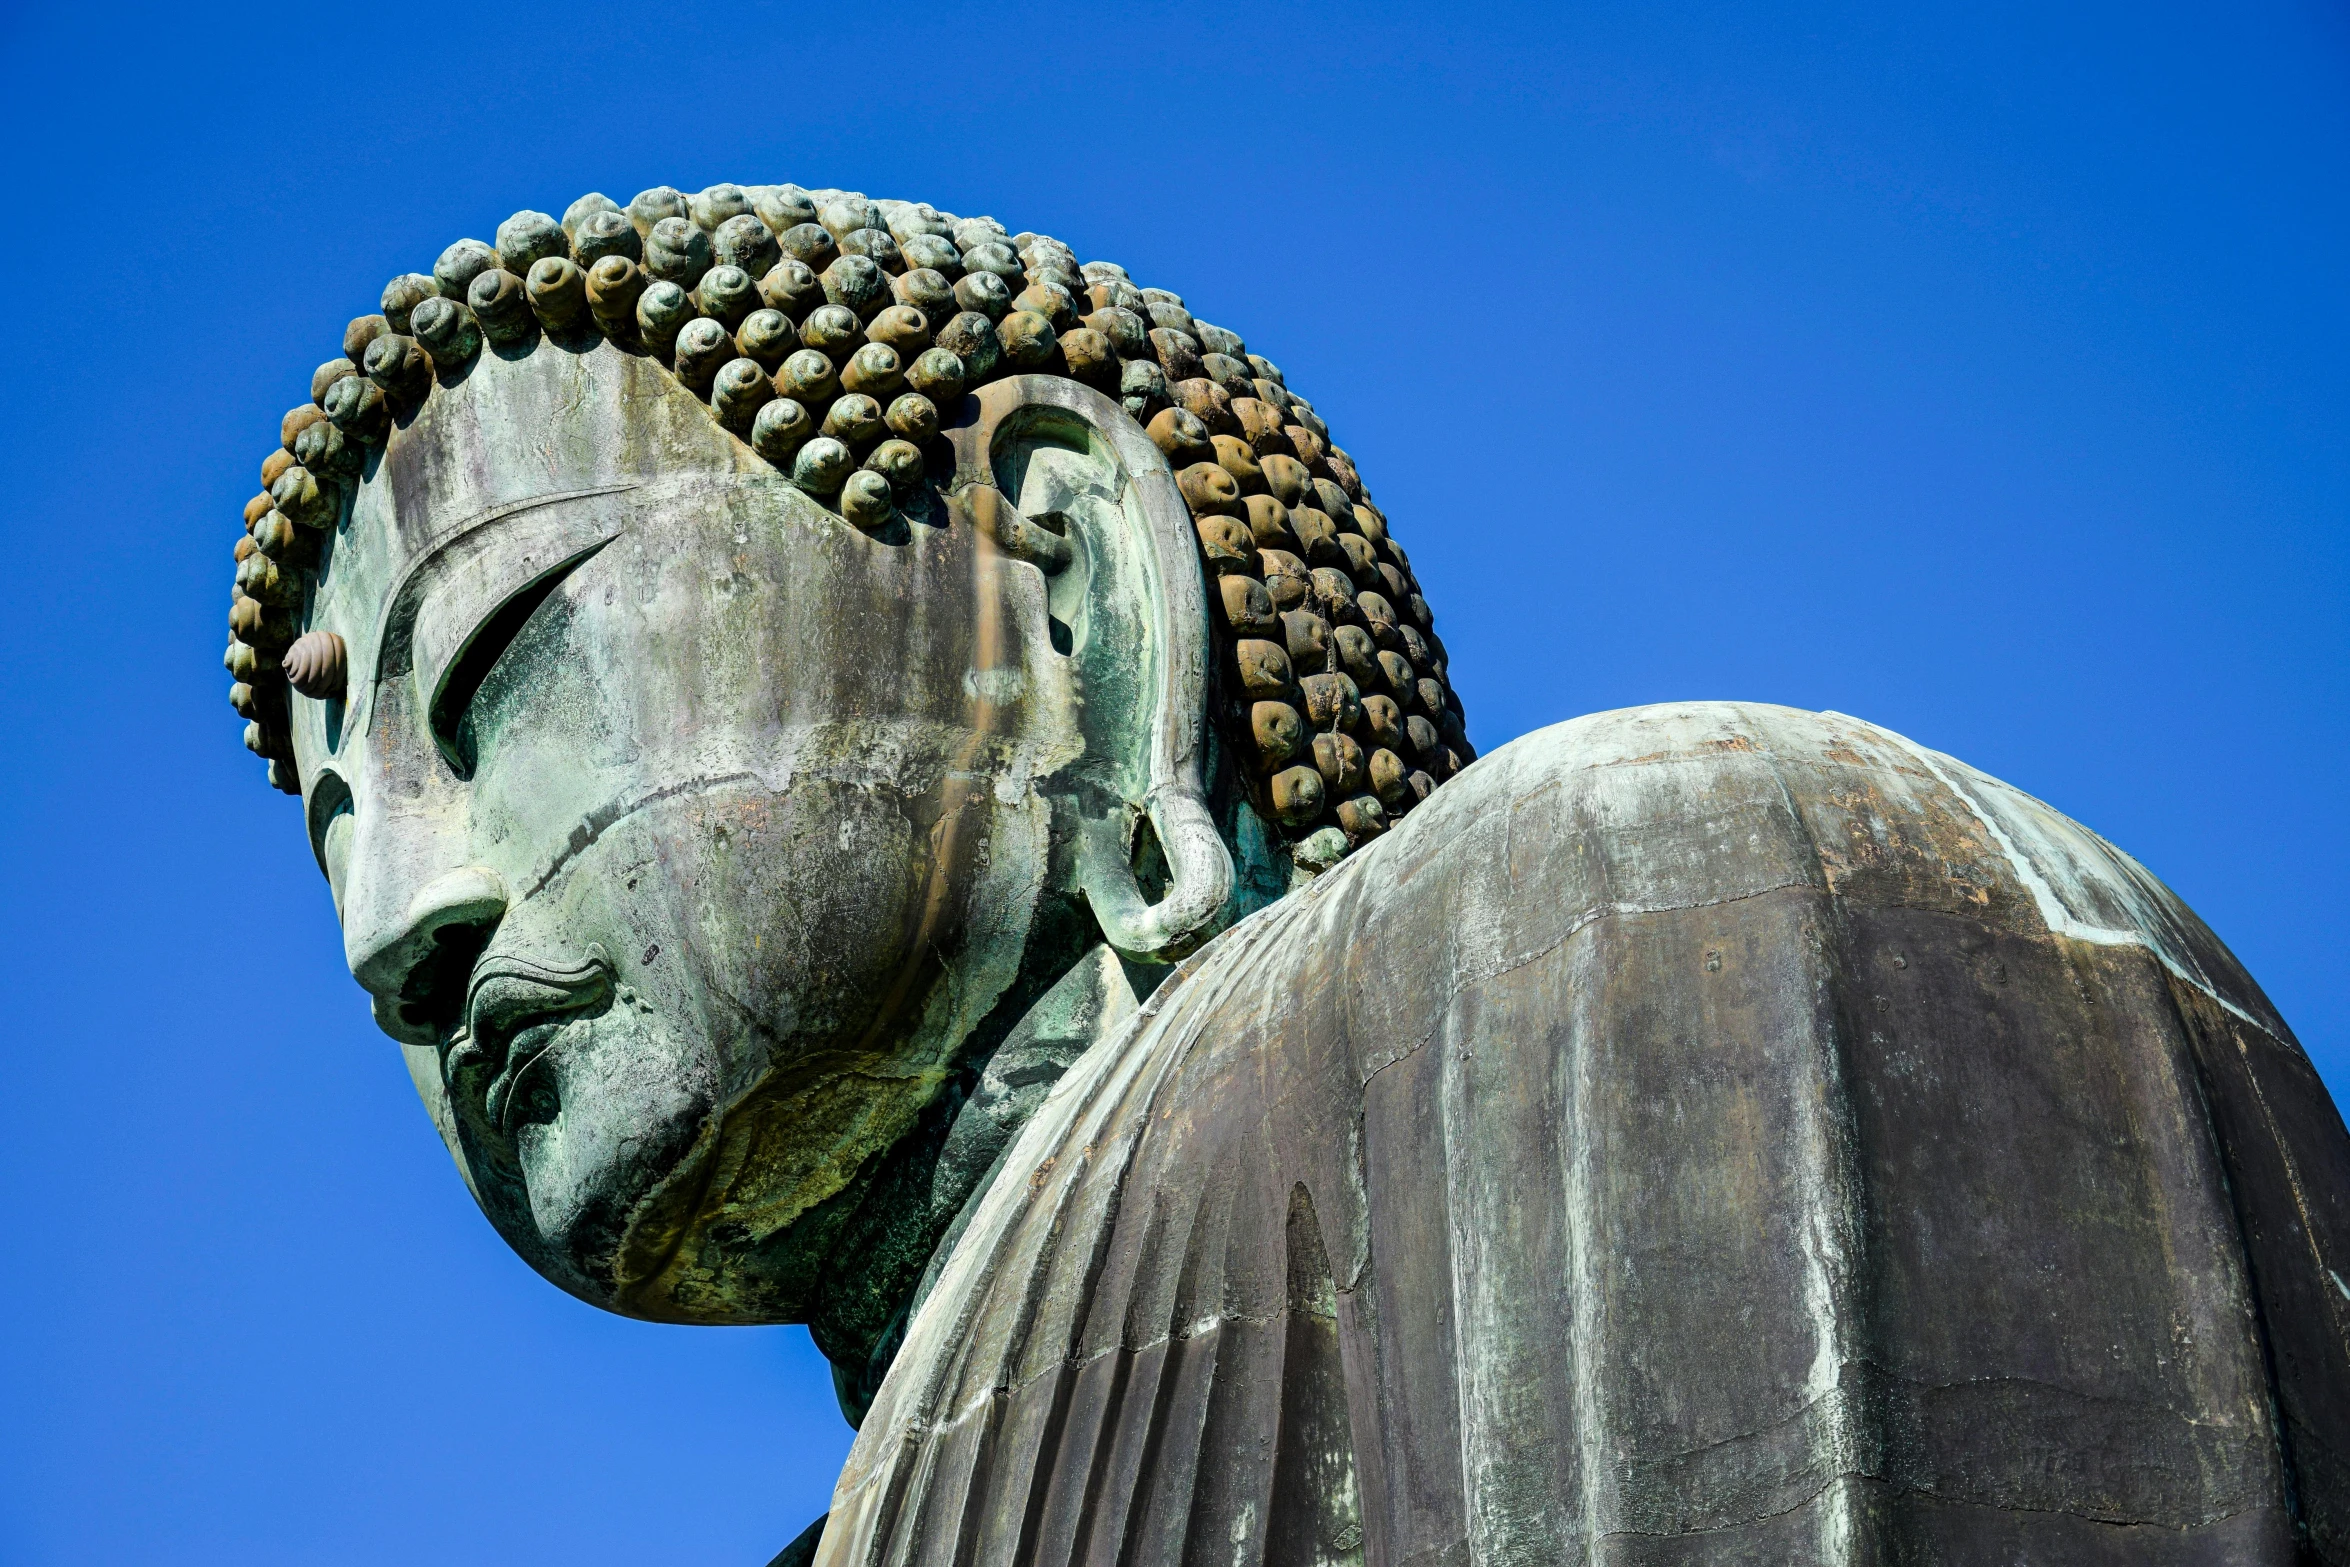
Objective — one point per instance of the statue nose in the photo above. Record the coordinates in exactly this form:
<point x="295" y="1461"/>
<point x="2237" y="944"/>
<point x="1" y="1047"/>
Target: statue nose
<point x="419" y="964"/>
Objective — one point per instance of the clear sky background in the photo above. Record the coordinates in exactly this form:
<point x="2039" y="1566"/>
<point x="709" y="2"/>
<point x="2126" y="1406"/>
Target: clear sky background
<point x="1981" y="370"/>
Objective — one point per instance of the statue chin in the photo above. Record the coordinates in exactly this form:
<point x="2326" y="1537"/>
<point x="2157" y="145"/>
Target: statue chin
<point x="604" y="1118"/>
<point x="616" y="1154"/>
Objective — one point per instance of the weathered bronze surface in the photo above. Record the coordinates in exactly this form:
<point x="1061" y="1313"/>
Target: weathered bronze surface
<point x="775" y="679"/>
<point x="1703" y="1134"/>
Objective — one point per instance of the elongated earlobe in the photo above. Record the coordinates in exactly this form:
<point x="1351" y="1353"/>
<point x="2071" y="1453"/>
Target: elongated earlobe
<point x="1149" y="603"/>
<point x="1199" y="878"/>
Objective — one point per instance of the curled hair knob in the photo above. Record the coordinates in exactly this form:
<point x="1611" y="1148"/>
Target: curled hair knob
<point x="822" y="465"/>
<point x="677" y="252"/>
<point x="528" y="238"/>
<point x="500" y="305"/>
<point x="298" y="494"/>
<point x="767" y="336"/>
<point x="900" y="462"/>
<point x="737" y="393"/>
<point x="904" y="328"/>
<point x="459" y="265"/>
<point x="875" y="246"/>
<point x="362" y="331"/>
<point x="985" y="293"/>
<point x="602" y="234"/>
<point x="855" y="420"/>
<point x="396" y="364"/>
<point x="296" y="421"/>
<point x="1089" y="358"/>
<point x="447" y="331"/>
<point x="727" y="293"/>
<point x="662" y="310"/>
<point x="781" y="428"/>
<point x="703" y="346"/>
<point x="746" y="242"/>
<point x="651" y="206"/>
<point x="558" y="293"/>
<point x="848" y="215"/>
<point x="865" y="499"/>
<point x="859" y="284"/>
<point x="934" y="252"/>
<point x="808" y="378"/>
<point x="791" y="288"/>
<point x="576" y="216"/>
<point x="614" y="284"/>
<point x="913" y="417"/>
<point x="782" y="207"/>
<point x="971" y="338"/>
<point x="874" y="370"/>
<point x="358" y="408"/>
<point x="322" y="448"/>
<point x="927" y="291"/>
<point x="714" y="206"/>
<point x="403" y="294"/>
<point x="327" y="375"/>
<point x="809" y="245"/>
<point x="939" y="375"/>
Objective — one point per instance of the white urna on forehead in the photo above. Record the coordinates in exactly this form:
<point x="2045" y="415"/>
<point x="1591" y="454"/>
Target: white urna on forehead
<point x="831" y="337"/>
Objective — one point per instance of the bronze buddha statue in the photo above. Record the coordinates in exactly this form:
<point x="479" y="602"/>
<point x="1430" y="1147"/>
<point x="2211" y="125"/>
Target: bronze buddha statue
<point x="886" y="777"/>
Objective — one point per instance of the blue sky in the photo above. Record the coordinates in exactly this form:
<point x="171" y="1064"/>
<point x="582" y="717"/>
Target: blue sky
<point x="1979" y="370"/>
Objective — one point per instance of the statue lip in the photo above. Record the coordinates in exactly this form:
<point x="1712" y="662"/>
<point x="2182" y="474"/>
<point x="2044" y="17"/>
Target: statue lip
<point x="515" y="1010"/>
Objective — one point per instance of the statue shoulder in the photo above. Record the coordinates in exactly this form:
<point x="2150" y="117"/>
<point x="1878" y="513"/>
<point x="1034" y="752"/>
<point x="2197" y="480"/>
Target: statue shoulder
<point x="1721" y="804"/>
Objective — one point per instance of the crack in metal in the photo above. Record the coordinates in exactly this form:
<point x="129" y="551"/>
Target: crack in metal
<point x="605" y="817"/>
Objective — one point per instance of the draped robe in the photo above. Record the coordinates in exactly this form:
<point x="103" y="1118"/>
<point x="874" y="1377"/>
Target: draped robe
<point x="1703" y="1133"/>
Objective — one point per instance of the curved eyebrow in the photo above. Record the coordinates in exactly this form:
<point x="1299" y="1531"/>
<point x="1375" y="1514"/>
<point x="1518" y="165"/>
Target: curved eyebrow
<point x="593" y="524"/>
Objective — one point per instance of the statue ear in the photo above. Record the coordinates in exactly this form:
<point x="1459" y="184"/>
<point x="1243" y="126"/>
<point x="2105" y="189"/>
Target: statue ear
<point x="1105" y="523"/>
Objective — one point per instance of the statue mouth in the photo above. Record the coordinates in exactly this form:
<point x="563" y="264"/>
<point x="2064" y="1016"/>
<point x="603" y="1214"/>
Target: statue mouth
<point x="516" y="1012"/>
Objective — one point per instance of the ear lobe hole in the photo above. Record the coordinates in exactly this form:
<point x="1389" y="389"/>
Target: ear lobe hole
<point x="1149" y="860"/>
<point x="1064" y="640"/>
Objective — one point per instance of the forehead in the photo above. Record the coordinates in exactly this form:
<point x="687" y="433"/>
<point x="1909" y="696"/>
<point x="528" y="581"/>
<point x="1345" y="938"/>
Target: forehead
<point x="517" y="458"/>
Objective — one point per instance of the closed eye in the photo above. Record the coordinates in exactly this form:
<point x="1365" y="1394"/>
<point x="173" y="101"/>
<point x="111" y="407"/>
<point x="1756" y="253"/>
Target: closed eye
<point x="331" y="826"/>
<point x="473" y="663"/>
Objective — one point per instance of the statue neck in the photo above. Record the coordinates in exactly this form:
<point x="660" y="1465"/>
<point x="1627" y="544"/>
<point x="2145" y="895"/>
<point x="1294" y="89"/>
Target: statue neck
<point x="908" y="1217"/>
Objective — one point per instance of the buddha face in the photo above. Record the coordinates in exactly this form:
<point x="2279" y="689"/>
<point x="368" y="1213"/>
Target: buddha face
<point x="680" y="832"/>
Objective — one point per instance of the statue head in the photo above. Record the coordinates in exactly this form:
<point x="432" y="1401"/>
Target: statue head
<point x="735" y="653"/>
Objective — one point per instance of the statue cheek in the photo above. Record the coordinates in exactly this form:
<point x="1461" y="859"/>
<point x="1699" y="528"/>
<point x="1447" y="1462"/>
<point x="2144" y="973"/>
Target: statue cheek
<point x="802" y="910"/>
<point x="615" y="1107"/>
